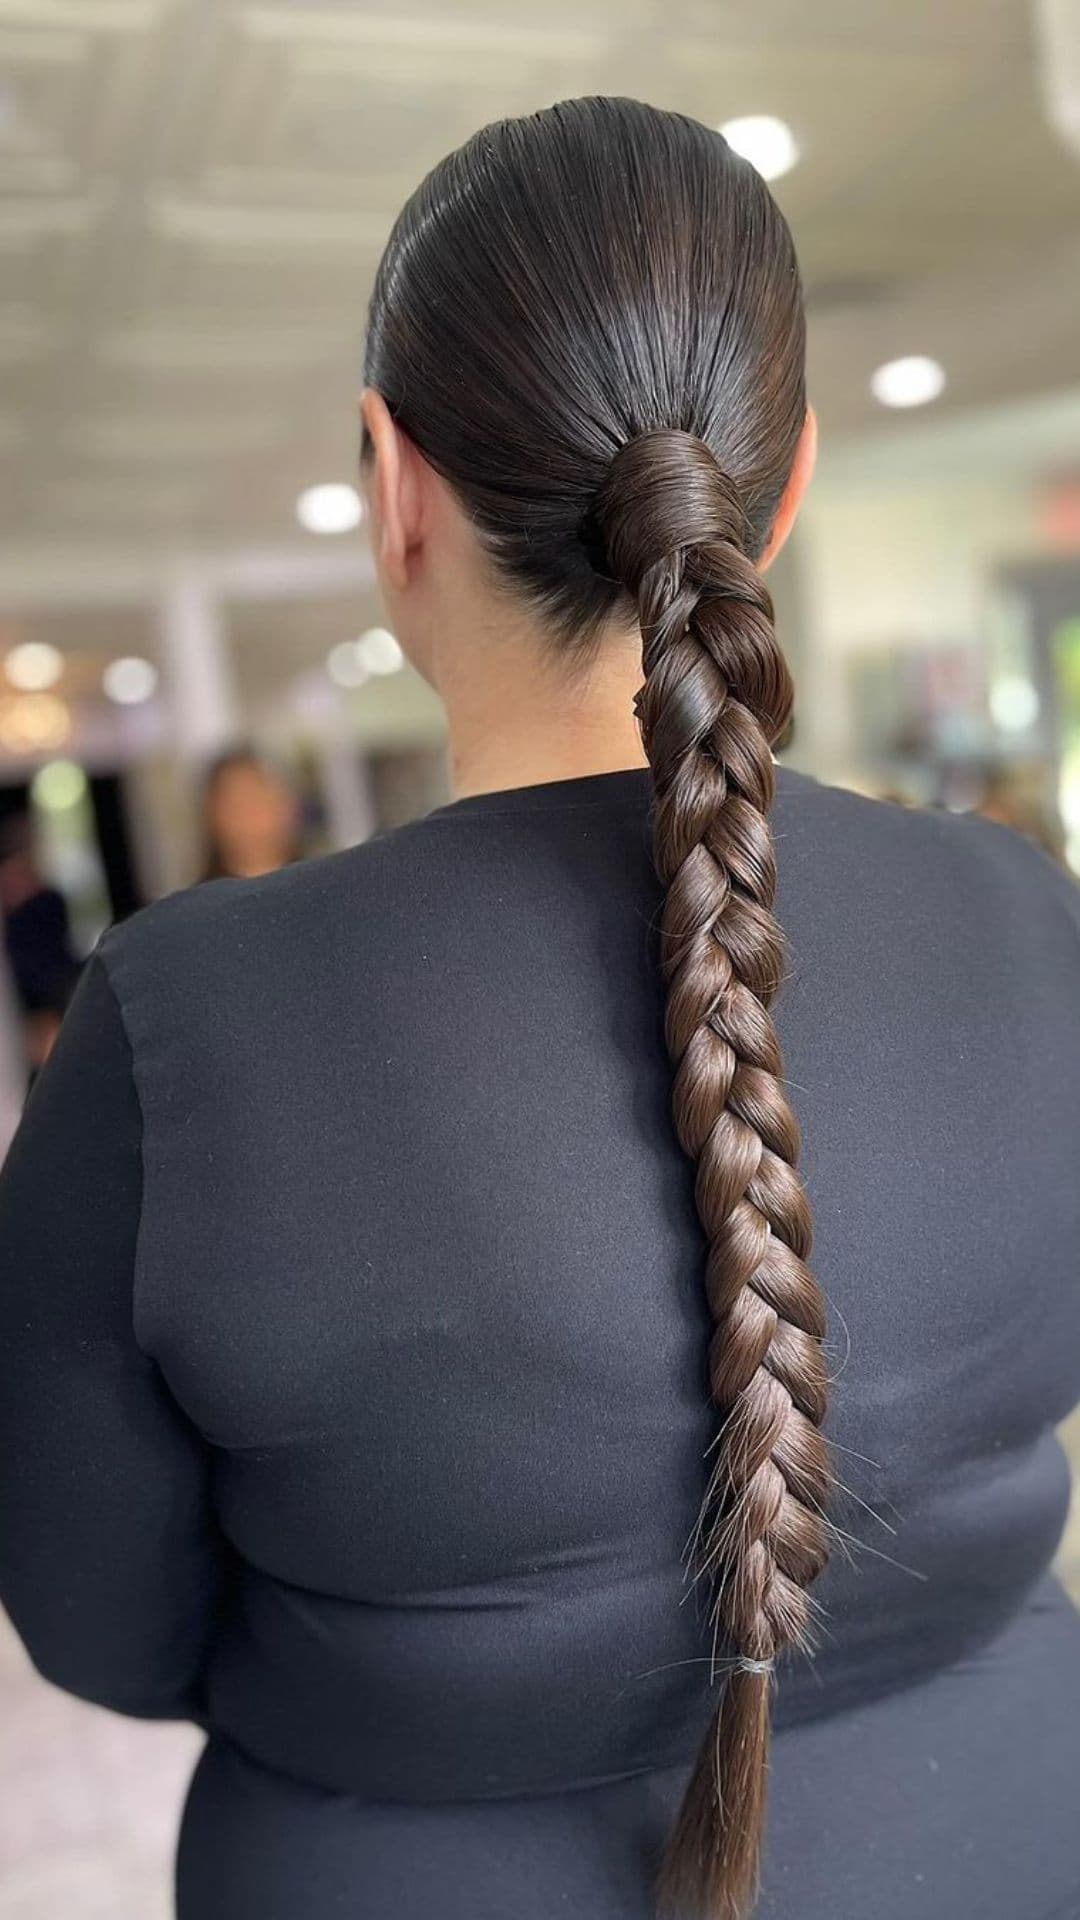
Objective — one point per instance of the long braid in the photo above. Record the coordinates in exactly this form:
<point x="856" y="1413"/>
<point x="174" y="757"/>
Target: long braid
<point x="716" y="694"/>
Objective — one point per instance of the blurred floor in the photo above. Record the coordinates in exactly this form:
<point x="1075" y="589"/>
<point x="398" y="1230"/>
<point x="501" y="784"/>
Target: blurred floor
<point x="89" y="1802"/>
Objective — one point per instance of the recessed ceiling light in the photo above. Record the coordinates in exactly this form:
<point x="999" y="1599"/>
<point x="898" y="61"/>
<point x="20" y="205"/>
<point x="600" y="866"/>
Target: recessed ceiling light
<point x="909" y="382"/>
<point x="768" y="143"/>
<point x="1014" y="703"/>
<point x="58" y="786"/>
<point x="130" y="681"/>
<point x="34" y="666"/>
<point x="333" y="508"/>
<point x="379" y="651"/>
<point x="34" y="723"/>
<point x="345" y="664"/>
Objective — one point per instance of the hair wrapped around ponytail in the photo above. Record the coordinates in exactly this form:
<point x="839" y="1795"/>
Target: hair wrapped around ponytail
<point x="716" y="694"/>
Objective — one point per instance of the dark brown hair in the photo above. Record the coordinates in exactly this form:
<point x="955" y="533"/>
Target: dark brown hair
<point x="590" y="323"/>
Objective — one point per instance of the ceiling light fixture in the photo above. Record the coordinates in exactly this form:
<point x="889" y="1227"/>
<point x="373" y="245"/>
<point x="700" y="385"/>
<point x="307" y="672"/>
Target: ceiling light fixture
<point x="768" y="143"/>
<point x="345" y="665"/>
<point x="379" y="651"/>
<point x="34" y="723"/>
<point x="58" y="786"/>
<point x="909" y="382"/>
<point x="130" y="681"/>
<point x="332" y="508"/>
<point x="1014" y="703"/>
<point x="34" y="666"/>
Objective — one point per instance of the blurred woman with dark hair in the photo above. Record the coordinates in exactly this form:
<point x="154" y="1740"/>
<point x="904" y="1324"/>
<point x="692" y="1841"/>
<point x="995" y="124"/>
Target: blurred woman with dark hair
<point x="250" y="817"/>
<point x="37" y="940"/>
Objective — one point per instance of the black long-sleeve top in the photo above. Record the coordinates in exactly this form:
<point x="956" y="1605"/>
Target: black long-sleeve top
<point x="352" y="1334"/>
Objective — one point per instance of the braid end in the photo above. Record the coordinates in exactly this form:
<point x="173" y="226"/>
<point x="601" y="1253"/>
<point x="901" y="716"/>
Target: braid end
<point x="712" y="1864"/>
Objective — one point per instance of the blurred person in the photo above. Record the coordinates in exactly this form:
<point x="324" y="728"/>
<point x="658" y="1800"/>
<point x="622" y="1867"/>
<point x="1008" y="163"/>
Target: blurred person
<point x="250" y="817"/>
<point x="13" y="1073"/>
<point x="37" y="940"/>
<point x="389" y="1343"/>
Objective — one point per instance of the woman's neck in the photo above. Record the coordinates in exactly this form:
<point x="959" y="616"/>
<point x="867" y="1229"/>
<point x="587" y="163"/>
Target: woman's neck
<point x="526" y="719"/>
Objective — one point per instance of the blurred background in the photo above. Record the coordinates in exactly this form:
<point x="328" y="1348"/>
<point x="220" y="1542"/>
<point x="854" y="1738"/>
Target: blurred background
<point x="194" y="672"/>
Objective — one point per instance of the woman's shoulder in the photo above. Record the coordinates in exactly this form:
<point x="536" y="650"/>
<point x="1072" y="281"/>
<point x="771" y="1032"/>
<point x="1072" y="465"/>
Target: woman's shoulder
<point x="924" y="913"/>
<point x="191" y="942"/>
<point x="857" y="875"/>
<point x="927" y="853"/>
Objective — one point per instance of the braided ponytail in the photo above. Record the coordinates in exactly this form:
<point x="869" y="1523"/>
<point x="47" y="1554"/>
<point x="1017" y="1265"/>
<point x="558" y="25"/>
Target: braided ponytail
<point x="590" y="323"/>
<point x="716" y="694"/>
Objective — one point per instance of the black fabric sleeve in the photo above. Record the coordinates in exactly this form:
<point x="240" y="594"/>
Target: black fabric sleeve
<point x="109" y="1563"/>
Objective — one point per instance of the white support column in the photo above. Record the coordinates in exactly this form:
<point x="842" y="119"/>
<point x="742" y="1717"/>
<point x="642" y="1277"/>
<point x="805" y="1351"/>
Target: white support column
<point x="346" y="789"/>
<point x="198" y="671"/>
<point x="344" y="784"/>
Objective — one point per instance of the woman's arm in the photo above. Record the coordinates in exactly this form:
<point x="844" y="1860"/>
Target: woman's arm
<point x="109" y="1563"/>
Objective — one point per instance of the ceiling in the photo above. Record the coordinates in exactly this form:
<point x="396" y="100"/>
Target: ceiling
<point x="194" y="194"/>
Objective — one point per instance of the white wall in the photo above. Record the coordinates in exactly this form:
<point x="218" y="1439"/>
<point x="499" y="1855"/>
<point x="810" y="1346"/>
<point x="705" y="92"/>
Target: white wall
<point x="912" y="563"/>
<point x="900" y="542"/>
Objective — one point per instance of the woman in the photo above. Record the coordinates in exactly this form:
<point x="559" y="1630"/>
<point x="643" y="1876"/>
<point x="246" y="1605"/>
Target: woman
<point x="36" y="941"/>
<point x="382" y="1343"/>
<point x="250" y="818"/>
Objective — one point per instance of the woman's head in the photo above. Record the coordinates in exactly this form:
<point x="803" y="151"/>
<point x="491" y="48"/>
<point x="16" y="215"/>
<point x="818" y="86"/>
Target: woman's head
<point x="559" y="286"/>
<point x="586" y="370"/>
<point x="250" y="821"/>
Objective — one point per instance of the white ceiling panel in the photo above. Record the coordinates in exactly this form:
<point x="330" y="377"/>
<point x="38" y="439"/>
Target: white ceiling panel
<point x="194" y="195"/>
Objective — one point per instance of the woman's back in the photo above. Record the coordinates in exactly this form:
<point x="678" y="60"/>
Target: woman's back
<point x="418" y="1254"/>
<point x="418" y="1257"/>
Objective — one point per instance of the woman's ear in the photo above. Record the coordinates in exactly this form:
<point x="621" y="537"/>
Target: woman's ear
<point x="802" y="471"/>
<point x="393" y="496"/>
